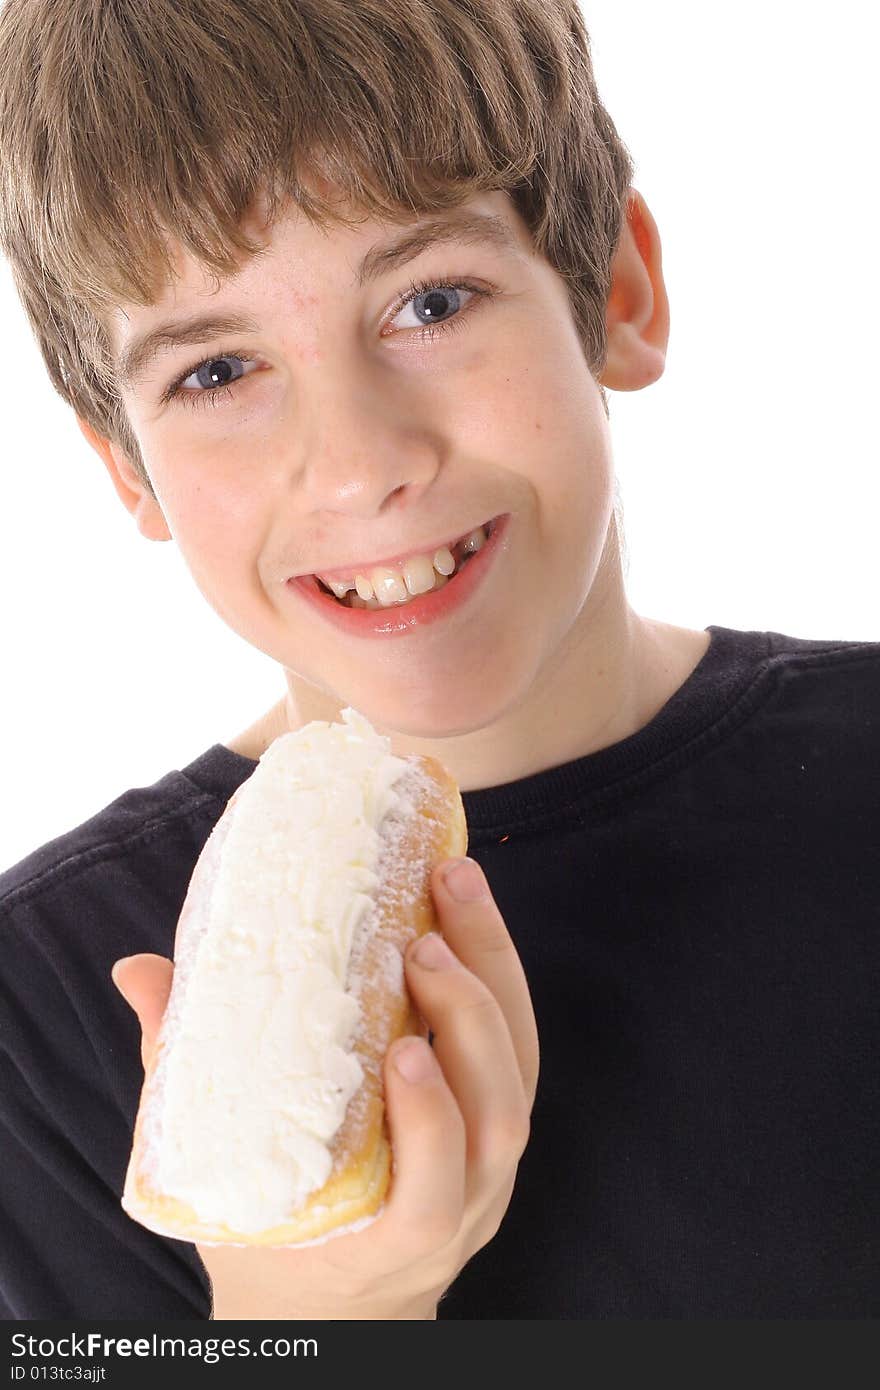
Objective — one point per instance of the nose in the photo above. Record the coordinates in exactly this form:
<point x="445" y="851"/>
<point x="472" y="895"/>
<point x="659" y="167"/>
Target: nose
<point x="364" y="445"/>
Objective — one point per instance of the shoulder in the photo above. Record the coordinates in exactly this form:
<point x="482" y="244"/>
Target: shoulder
<point x="832" y="680"/>
<point x="111" y="886"/>
<point x="808" y="653"/>
<point x="132" y="819"/>
<point x="132" y="858"/>
<point x="812" y="737"/>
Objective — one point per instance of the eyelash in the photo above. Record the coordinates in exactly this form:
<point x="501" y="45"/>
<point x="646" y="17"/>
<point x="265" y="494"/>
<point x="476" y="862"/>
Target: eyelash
<point x="197" y="399"/>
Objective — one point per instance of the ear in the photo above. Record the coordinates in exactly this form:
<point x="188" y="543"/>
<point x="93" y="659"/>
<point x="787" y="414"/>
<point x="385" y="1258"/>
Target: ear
<point x="135" y="497"/>
<point x="637" y="313"/>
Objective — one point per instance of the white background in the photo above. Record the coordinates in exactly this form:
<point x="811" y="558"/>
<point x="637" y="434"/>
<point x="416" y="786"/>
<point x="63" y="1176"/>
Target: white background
<point x="748" y="472"/>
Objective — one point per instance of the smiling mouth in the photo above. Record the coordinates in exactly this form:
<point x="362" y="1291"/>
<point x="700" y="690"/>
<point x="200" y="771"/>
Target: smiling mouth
<point x="397" y="588"/>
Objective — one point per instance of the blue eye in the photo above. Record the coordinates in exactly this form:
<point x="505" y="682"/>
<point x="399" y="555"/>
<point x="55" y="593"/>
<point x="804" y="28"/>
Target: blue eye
<point x="430" y="301"/>
<point x="212" y="374"/>
<point x="435" y="302"/>
<point x="215" y="371"/>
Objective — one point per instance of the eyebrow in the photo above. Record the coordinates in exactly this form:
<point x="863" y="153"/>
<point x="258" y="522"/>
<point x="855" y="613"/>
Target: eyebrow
<point x="470" y="229"/>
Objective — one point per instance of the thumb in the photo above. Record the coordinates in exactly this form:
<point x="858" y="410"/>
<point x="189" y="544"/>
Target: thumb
<point x="144" y="981"/>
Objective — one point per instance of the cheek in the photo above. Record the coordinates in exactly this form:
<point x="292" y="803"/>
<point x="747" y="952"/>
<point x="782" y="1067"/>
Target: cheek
<point x="211" y="511"/>
<point x="561" y="445"/>
<point x="538" y="413"/>
<point x="539" y="387"/>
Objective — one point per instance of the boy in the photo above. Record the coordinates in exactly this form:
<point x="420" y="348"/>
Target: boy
<point x="445" y="268"/>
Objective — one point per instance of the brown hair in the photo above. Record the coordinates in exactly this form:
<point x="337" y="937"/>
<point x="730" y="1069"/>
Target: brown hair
<point x="123" y="123"/>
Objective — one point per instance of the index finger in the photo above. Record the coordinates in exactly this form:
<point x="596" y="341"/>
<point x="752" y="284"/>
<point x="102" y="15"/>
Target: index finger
<point x="144" y="981"/>
<point x="477" y="933"/>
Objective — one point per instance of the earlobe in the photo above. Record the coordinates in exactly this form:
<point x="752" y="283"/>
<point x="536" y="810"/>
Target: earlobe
<point x="135" y="497"/>
<point x="637" y="313"/>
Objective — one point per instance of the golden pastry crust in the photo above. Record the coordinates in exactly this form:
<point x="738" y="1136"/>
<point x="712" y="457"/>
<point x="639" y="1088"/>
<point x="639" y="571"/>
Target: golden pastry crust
<point x="360" y="1150"/>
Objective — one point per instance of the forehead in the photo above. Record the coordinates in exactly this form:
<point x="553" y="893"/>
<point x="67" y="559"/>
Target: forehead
<point x="292" y="229"/>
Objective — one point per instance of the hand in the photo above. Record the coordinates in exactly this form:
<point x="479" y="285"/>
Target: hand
<point x="457" y="1136"/>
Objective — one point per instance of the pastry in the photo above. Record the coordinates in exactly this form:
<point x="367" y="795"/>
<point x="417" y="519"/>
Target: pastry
<point x="261" y="1117"/>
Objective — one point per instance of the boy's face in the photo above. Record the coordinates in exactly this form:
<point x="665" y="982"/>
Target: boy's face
<point x="351" y="436"/>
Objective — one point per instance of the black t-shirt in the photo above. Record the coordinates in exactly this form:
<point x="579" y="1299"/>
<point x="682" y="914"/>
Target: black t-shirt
<point x="696" y="908"/>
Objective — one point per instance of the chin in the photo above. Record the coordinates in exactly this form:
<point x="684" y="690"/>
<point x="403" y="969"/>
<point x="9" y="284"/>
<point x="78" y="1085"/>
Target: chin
<point x="444" y="711"/>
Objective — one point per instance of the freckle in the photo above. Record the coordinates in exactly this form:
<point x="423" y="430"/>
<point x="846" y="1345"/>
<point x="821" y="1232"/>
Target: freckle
<point x="300" y="299"/>
<point x="302" y="314"/>
<point x="309" y="352"/>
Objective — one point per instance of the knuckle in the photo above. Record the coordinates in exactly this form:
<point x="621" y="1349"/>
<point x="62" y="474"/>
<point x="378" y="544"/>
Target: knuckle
<point x="479" y="1006"/>
<point x="457" y="993"/>
<point x="491" y="1226"/>
<point x="437" y="1230"/>
<point x="491" y="1223"/>
<point x="511" y="1135"/>
<point x="525" y="1134"/>
<point x="487" y="932"/>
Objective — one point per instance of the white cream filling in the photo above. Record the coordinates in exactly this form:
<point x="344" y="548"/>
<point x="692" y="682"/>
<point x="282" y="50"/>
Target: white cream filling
<point x="261" y="1071"/>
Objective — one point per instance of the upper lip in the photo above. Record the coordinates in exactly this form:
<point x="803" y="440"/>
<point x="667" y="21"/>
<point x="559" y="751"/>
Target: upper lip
<point x="345" y="572"/>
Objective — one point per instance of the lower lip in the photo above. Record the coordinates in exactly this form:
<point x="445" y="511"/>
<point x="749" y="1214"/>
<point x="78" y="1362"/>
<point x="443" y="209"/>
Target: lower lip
<point x="398" y="620"/>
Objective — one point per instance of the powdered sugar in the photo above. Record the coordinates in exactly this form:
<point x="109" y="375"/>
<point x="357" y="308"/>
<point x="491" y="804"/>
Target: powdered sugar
<point x="351" y="1229"/>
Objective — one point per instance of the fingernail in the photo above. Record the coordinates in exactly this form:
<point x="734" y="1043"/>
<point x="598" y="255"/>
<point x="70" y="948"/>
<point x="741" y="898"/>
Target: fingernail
<point x="116" y="964"/>
<point x="432" y="952"/>
<point x="415" y="1060"/>
<point x="465" y="881"/>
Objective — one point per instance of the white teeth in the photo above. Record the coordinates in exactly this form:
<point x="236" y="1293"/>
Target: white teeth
<point x="340" y="590"/>
<point x="387" y="586"/>
<point x="364" y="587"/>
<point x="419" y="575"/>
<point x="444" y="560"/>
<point x="440" y="580"/>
